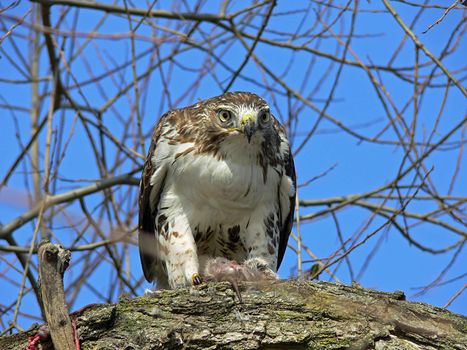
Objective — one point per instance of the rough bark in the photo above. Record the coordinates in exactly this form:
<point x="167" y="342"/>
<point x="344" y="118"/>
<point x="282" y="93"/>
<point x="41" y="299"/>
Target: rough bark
<point x="281" y="315"/>
<point x="54" y="261"/>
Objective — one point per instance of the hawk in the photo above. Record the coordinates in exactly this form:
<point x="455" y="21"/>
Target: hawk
<point x="218" y="182"/>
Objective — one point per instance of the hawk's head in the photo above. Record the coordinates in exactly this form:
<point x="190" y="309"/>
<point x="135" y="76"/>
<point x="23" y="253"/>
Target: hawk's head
<point x="242" y="113"/>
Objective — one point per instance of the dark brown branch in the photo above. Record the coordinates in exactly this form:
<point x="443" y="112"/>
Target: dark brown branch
<point x="185" y="16"/>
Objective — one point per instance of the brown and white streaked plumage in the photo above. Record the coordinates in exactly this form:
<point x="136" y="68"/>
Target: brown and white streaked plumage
<point x="219" y="181"/>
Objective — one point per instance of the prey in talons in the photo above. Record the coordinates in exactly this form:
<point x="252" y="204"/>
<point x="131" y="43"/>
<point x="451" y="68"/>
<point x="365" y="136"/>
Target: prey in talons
<point x="224" y="270"/>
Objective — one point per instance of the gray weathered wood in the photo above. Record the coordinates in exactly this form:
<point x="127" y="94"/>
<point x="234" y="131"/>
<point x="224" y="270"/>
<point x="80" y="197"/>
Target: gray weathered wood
<point x="53" y="260"/>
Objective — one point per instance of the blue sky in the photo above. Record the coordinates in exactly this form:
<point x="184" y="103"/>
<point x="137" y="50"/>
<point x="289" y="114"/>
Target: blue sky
<point x="358" y="166"/>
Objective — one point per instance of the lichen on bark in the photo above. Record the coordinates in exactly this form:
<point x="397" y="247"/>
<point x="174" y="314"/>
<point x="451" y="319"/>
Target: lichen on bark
<point x="280" y="315"/>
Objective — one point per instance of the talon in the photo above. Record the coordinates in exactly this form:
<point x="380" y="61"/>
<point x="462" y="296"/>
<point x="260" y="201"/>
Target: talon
<point x="196" y="279"/>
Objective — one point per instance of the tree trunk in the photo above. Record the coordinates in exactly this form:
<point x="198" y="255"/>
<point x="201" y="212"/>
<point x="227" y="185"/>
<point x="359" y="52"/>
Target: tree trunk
<point x="281" y="315"/>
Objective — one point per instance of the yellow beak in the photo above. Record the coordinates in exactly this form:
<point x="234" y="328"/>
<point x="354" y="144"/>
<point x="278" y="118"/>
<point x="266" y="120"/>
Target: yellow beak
<point x="247" y="117"/>
<point x="248" y="124"/>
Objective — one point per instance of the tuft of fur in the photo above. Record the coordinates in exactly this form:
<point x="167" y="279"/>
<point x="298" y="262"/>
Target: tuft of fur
<point x="224" y="270"/>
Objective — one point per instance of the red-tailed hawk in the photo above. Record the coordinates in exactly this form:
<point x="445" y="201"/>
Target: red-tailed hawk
<point x="218" y="181"/>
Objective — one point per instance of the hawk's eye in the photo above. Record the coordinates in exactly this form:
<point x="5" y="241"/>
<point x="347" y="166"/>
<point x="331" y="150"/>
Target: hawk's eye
<point x="224" y="116"/>
<point x="264" y="117"/>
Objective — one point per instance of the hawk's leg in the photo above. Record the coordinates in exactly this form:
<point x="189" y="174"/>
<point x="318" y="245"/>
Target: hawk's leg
<point x="261" y="241"/>
<point x="181" y="258"/>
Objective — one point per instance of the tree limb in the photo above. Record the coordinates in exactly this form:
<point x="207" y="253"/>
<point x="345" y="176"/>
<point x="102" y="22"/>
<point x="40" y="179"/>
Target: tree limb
<point x="53" y="262"/>
<point x="125" y="179"/>
<point x="282" y="315"/>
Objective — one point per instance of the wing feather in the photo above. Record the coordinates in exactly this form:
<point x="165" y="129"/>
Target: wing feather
<point x="151" y="186"/>
<point x="287" y="201"/>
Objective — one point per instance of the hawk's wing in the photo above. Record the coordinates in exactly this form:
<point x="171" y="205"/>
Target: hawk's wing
<point x="284" y="202"/>
<point x="150" y="189"/>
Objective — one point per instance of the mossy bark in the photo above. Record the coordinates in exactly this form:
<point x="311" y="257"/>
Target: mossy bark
<point x="281" y="315"/>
